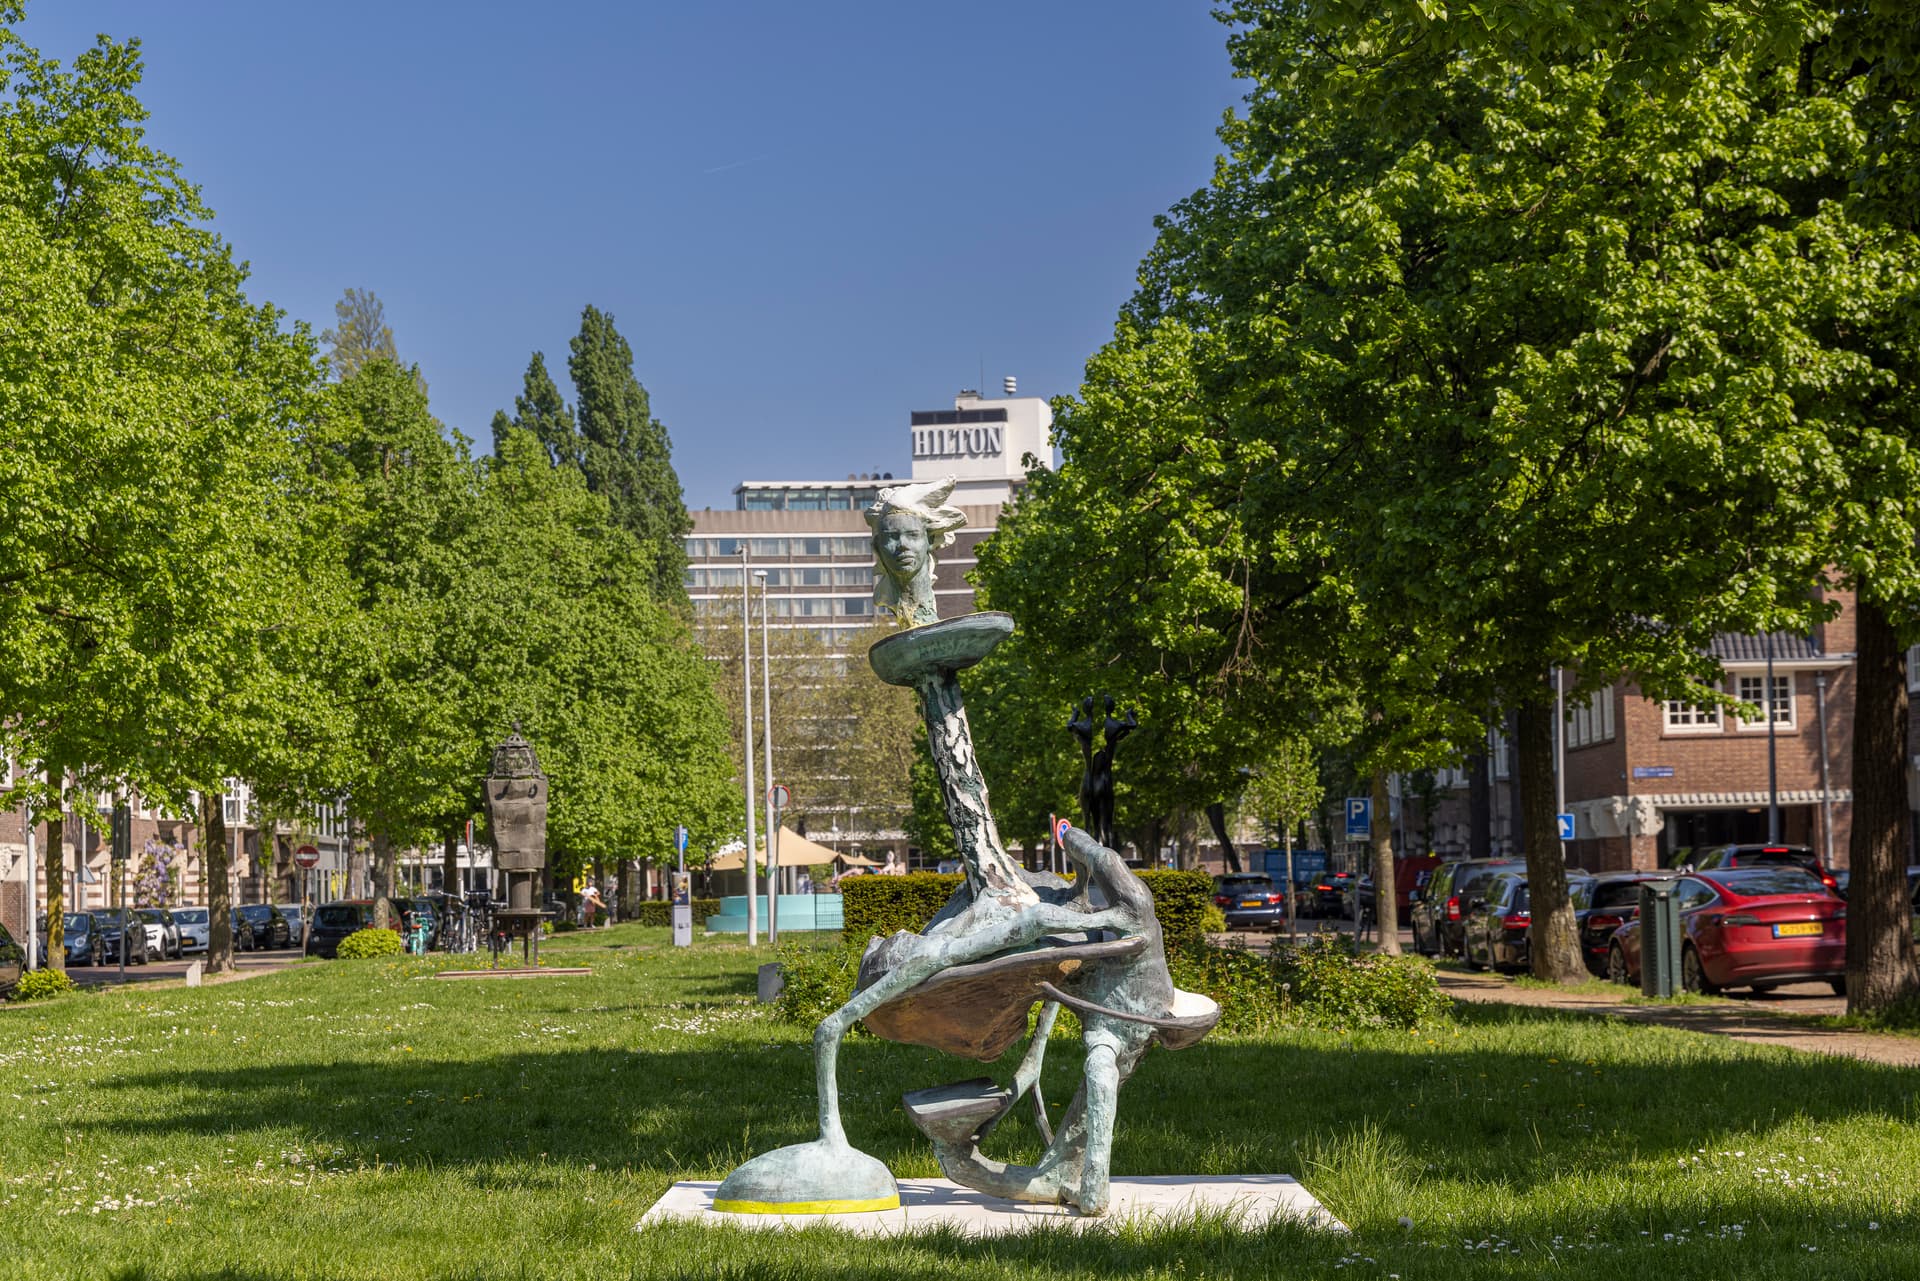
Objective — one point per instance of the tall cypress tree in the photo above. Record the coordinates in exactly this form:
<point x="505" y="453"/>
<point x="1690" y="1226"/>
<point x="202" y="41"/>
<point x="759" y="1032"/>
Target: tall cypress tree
<point x="625" y="453"/>
<point x="540" y="409"/>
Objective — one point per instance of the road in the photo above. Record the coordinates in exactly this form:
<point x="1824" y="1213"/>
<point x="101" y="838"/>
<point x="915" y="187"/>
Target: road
<point x="249" y="965"/>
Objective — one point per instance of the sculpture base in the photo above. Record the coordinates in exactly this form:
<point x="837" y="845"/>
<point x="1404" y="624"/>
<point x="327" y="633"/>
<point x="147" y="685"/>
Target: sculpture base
<point x="1250" y="1200"/>
<point x="808" y="1179"/>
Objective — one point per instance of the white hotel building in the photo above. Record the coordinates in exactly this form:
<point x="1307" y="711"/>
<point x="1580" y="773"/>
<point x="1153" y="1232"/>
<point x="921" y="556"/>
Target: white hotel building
<point x="812" y="538"/>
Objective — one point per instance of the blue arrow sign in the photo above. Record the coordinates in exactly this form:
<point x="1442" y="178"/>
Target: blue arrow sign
<point x="680" y="839"/>
<point x="1566" y="826"/>
<point x="1359" y="818"/>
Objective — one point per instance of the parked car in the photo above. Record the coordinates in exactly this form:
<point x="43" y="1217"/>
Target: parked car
<point x="1333" y="894"/>
<point x="1439" y="913"/>
<point x="1250" y="902"/>
<point x="1719" y="857"/>
<point x="334" y="921"/>
<point x="122" y="936"/>
<point x="1498" y="928"/>
<point x="13" y="962"/>
<point x="80" y="937"/>
<point x="1842" y="877"/>
<point x="1757" y="927"/>
<point x="296" y="924"/>
<point x="1614" y="901"/>
<point x="161" y="920"/>
<point x="269" y="927"/>
<point x="246" y="938"/>
<point x="194" y="923"/>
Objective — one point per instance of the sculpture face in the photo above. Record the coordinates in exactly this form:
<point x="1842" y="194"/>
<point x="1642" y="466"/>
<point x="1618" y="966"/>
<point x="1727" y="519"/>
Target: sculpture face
<point x="905" y="553"/>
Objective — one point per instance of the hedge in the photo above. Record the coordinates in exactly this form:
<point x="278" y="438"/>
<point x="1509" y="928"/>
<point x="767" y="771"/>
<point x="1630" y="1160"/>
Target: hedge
<point x="877" y="906"/>
<point x="368" y="943"/>
<point x="657" y="911"/>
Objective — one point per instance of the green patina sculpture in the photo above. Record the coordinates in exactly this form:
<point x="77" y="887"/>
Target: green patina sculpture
<point x="1008" y="940"/>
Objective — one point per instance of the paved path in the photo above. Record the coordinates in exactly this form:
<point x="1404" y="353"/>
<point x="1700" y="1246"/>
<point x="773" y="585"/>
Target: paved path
<point x="247" y="965"/>
<point x="1741" y="1020"/>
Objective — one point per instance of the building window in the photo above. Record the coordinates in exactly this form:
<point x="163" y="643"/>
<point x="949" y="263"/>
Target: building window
<point x="1502" y="760"/>
<point x="1590" y="720"/>
<point x="696" y="548"/>
<point x="768" y="547"/>
<point x="1690" y="718"/>
<point x="855" y="606"/>
<point x="810" y="577"/>
<point x="1913" y="668"/>
<point x="852" y="546"/>
<point x="723" y="547"/>
<point x="1750" y="690"/>
<point x="761" y="503"/>
<point x="862" y="577"/>
<point x="811" y="546"/>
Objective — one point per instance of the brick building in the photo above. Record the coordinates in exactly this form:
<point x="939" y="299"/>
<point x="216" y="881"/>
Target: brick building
<point x="1647" y="780"/>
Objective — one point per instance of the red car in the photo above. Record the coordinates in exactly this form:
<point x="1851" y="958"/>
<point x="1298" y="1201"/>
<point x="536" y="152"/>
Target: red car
<point x="1757" y="927"/>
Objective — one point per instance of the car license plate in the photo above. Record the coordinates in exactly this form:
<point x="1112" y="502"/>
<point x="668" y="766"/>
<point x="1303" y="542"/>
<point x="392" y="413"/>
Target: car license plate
<point x="1795" y="929"/>
<point x="1253" y="902"/>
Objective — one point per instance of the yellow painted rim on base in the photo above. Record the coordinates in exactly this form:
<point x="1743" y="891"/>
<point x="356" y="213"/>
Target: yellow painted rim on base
<point x="808" y="1207"/>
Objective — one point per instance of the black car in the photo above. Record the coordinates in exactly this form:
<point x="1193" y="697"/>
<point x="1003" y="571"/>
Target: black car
<point x="1250" y="901"/>
<point x="13" y="962"/>
<point x="122" y="937"/>
<point x="1615" y="900"/>
<point x="1719" y="858"/>
<point x="1439" y="913"/>
<point x="1498" y="930"/>
<point x="333" y="922"/>
<point x="244" y="939"/>
<point x="269" y="928"/>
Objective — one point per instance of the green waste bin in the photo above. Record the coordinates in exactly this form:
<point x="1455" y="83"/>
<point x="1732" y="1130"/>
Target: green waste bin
<point x="1659" y="938"/>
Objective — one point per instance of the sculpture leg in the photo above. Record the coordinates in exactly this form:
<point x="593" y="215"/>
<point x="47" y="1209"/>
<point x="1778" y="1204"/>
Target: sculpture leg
<point x="1103" y="1093"/>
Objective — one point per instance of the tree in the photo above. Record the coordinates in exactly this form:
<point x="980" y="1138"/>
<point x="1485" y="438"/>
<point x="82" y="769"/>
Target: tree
<point x="1836" y="91"/>
<point x="362" y="337"/>
<point x="540" y="409"/>
<point x="147" y="440"/>
<point x="625" y="453"/>
<point x="1284" y="792"/>
<point x="1482" y="388"/>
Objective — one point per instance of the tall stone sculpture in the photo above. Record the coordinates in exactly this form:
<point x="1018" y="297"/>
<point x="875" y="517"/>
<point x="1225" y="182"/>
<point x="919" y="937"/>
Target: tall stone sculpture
<point x="1006" y="941"/>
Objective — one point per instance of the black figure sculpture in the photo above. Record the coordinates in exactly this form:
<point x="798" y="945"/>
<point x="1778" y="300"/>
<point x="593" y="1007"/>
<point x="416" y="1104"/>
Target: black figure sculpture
<point x="1100" y="774"/>
<point x="1082" y="727"/>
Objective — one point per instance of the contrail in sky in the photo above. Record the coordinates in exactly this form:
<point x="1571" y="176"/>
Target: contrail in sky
<point x="735" y="164"/>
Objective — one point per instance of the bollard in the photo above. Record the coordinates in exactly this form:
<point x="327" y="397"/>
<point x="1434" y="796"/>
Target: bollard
<point x="1659" y="938"/>
<point x="193" y="974"/>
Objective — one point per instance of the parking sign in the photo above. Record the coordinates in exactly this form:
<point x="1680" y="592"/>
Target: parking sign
<point x="1359" y="818"/>
<point x="1566" y="826"/>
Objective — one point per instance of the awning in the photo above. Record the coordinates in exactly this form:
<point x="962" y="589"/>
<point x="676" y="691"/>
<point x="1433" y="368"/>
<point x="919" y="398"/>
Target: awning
<point x="795" y="851"/>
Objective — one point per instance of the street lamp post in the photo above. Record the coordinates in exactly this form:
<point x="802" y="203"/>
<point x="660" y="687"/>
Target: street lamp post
<point x="746" y="667"/>
<point x="1773" y="759"/>
<point x="766" y="736"/>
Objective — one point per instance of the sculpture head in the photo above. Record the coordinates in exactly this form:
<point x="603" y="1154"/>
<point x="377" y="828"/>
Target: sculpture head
<point x="910" y="523"/>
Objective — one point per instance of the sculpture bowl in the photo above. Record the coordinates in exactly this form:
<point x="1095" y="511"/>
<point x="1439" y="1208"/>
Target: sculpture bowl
<point x="821" y="1177"/>
<point x="951" y="645"/>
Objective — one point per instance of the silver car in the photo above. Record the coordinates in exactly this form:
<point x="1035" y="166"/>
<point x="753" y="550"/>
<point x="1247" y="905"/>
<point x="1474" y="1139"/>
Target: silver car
<point x="160" y="921"/>
<point x="192" y="923"/>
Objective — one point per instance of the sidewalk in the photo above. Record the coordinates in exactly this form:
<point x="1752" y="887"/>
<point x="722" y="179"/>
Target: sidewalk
<point x="1719" y="1018"/>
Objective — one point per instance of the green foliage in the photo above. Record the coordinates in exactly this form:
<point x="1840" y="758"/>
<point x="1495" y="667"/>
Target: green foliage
<point x="926" y="819"/>
<point x="878" y="906"/>
<point x="1326" y="983"/>
<point x="1180" y="901"/>
<point x="1240" y="982"/>
<point x="1213" y="920"/>
<point x="659" y="912"/>
<point x="41" y="985"/>
<point x="816" y="980"/>
<point x="366" y="944"/>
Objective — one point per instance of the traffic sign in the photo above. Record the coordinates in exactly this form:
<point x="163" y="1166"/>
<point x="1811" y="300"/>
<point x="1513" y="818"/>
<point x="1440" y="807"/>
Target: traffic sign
<point x="680" y="840"/>
<point x="1060" y="829"/>
<point x="307" y="856"/>
<point x="1566" y="826"/>
<point x="1359" y="818"/>
<point x="780" y="796"/>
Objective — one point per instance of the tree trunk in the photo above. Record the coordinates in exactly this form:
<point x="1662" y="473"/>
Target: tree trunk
<point x="1517" y="797"/>
<point x="1479" y="807"/>
<point x="382" y="881"/>
<point x="1217" y="816"/>
<point x="1880" y="952"/>
<point x="632" y="889"/>
<point x="56" y="958"/>
<point x="1386" y="908"/>
<point x="213" y="857"/>
<point x="450" y="865"/>
<point x="1554" y="939"/>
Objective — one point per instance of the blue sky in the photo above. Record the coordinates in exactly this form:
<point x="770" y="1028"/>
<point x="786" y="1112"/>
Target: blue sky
<point x="808" y="219"/>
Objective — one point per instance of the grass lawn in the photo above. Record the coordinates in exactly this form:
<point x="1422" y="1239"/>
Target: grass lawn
<point x="352" y="1120"/>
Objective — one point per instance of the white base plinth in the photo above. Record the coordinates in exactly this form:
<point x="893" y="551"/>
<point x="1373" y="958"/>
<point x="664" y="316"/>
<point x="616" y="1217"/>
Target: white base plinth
<point x="1252" y="1199"/>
